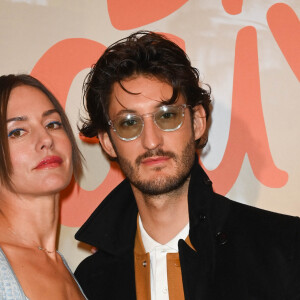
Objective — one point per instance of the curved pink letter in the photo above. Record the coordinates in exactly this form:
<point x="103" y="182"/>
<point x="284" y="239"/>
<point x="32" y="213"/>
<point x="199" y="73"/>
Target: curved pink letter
<point x="129" y="14"/>
<point x="233" y="7"/>
<point x="285" y="27"/>
<point x="247" y="128"/>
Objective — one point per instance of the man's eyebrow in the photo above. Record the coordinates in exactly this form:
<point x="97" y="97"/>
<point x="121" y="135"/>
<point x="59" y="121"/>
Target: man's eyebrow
<point x="132" y="111"/>
<point x="126" y="111"/>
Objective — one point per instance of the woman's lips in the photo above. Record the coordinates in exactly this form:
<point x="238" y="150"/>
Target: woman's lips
<point x="49" y="162"/>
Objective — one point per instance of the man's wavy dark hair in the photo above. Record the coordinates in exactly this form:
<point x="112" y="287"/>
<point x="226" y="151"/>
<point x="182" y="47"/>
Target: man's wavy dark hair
<point x="142" y="53"/>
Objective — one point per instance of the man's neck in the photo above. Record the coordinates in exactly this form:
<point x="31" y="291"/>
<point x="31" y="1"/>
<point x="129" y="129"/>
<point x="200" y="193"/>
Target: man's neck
<point x="163" y="216"/>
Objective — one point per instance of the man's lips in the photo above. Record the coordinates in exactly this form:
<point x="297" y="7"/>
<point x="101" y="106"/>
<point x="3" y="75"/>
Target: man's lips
<point x="49" y="162"/>
<point x="155" y="160"/>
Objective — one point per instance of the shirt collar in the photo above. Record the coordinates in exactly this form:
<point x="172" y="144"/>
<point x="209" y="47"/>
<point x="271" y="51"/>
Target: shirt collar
<point x="150" y="243"/>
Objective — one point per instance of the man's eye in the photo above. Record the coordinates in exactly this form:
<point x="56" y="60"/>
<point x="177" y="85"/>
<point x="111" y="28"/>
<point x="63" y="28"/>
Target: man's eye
<point x="168" y="115"/>
<point x="128" y="123"/>
<point x="16" y="133"/>
<point x="54" y="125"/>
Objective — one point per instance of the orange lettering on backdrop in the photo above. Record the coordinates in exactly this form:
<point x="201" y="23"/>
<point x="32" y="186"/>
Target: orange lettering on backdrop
<point x="130" y="14"/>
<point x="63" y="61"/>
<point x="285" y="27"/>
<point x="247" y="128"/>
<point x="233" y="7"/>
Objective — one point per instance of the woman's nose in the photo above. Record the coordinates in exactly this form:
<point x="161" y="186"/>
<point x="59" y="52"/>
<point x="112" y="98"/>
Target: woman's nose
<point x="45" y="140"/>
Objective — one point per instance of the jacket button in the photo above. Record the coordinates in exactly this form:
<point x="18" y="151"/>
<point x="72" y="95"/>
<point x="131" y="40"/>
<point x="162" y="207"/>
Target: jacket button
<point x="221" y="238"/>
<point x="202" y="217"/>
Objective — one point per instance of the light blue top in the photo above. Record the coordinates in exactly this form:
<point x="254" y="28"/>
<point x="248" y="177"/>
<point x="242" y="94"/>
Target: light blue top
<point x="10" y="288"/>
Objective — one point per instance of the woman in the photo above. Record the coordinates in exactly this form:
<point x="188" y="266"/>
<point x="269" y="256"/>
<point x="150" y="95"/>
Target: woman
<point x="38" y="155"/>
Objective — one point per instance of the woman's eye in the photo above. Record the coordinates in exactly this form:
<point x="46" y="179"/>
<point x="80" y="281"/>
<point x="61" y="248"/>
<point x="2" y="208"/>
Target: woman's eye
<point x="54" y="125"/>
<point x="16" y="133"/>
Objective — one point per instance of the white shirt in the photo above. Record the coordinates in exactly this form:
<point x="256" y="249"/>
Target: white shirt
<point x="158" y="261"/>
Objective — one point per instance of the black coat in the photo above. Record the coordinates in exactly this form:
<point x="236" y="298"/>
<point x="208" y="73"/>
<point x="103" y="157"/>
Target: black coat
<point x="242" y="252"/>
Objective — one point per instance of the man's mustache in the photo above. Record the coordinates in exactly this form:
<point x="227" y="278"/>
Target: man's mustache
<point x="156" y="152"/>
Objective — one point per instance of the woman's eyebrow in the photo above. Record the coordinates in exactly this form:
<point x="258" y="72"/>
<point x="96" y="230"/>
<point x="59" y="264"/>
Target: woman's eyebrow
<point x="25" y="118"/>
<point x="49" y="112"/>
<point x="21" y="118"/>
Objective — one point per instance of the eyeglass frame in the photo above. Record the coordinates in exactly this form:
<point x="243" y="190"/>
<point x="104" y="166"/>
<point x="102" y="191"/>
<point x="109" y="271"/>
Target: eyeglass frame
<point x="183" y="106"/>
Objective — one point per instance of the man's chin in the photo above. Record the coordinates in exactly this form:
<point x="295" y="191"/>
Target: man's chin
<point x="159" y="185"/>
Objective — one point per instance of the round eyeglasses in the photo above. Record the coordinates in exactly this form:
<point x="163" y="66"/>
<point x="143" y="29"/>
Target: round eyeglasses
<point x="129" y="126"/>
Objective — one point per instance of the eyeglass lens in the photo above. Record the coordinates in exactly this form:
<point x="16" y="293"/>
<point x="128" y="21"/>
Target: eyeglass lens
<point x="167" y="118"/>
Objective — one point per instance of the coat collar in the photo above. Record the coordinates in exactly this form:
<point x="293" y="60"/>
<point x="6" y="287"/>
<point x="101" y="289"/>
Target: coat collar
<point x="112" y="226"/>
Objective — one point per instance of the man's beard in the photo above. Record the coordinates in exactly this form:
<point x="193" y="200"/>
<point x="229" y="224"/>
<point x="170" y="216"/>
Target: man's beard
<point x="165" y="183"/>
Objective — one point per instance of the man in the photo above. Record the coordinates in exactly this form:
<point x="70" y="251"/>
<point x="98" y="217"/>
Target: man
<point x="163" y="233"/>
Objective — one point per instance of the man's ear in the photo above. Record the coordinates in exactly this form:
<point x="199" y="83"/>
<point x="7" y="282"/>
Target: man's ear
<point x="106" y="144"/>
<point x="199" y="121"/>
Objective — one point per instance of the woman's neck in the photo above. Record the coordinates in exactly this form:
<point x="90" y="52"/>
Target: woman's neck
<point x="29" y="221"/>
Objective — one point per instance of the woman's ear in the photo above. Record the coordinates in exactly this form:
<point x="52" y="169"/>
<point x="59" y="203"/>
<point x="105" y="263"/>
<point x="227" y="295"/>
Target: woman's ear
<point x="106" y="144"/>
<point x="199" y="121"/>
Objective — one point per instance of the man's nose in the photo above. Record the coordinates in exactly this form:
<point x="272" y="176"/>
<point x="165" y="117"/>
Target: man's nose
<point x="151" y="136"/>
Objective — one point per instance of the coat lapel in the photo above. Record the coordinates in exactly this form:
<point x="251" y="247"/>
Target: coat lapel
<point x="198" y="265"/>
